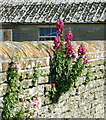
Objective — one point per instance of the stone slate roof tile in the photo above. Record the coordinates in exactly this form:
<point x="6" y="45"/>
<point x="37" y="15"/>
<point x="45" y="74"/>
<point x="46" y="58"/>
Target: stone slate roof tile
<point x="46" y="13"/>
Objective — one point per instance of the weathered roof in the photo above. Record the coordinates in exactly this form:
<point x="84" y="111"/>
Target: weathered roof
<point x="50" y="12"/>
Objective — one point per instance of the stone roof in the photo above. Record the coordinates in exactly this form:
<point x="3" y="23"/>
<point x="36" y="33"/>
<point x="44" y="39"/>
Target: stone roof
<point x="35" y="12"/>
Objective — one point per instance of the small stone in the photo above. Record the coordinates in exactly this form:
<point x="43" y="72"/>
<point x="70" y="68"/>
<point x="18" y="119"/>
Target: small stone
<point x="26" y="83"/>
<point x="3" y="89"/>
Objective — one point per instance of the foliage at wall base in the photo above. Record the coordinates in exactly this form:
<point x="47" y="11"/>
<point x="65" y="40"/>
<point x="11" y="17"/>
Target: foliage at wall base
<point x="11" y="98"/>
<point x="15" y="106"/>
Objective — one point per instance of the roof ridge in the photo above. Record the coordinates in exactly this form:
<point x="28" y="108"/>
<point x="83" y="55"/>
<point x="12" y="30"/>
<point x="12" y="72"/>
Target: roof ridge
<point x="29" y="2"/>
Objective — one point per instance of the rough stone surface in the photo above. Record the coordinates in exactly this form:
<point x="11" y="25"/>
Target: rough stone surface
<point x="84" y="101"/>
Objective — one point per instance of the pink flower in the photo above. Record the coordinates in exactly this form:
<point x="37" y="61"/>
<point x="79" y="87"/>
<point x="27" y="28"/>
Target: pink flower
<point x="59" y="26"/>
<point x="85" y="61"/>
<point x="82" y="51"/>
<point x="57" y="43"/>
<point x="69" y="48"/>
<point x="37" y="103"/>
<point x="73" y="56"/>
<point x="69" y="36"/>
<point x="53" y="85"/>
<point x="60" y="23"/>
<point x="66" y="50"/>
<point x="16" y="65"/>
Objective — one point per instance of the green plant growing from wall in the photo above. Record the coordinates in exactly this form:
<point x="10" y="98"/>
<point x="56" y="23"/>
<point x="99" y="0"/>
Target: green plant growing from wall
<point x="11" y="98"/>
<point x="89" y="74"/>
<point x="66" y="67"/>
<point x="36" y="75"/>
<point x="15" y="107"/>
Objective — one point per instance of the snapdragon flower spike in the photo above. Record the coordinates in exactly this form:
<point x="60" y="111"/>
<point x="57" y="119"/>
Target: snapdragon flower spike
<point x="68" y="49"/>
<point x="59" y="26"/>
<point x="57" y="43"/>
<point x="81" y="51"/>
<point x="69" y="36"/>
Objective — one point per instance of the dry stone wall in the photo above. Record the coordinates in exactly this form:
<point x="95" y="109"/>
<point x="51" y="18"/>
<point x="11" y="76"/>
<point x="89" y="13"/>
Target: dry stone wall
<point x="83" y="101"/>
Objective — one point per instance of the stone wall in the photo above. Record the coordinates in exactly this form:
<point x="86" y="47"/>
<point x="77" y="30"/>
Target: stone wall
<point x="84" y="101"/>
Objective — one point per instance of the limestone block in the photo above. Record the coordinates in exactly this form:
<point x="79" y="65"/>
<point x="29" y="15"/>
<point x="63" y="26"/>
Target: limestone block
<point x="26" y="74"/>
<point x="44" y="79"/>
<point x="47" y="87"/>
<point x="29" y="92"/>
<point x="67" y="115"/>
<point x="100" y="88"/>
<point x="84" y="72"/>
<point x="72" y="91"/>
<point x="98" y="95"/>
<point x="45" y="71"/>
<point x="48" y="61"/>
<point x="98" y="75"/>
<point x="88" y="105"/>
<point x="80" y="81"/>
<point x="100" y="82"/>
<point x="82" y="102"/>
<point x="98" y="68"/>
<point x="39" y="89"/>
<point x="23" y="65"/>
<point x="85" y="95"/>
<point x="90" y="98"/>
<point x="64" y="96"/>
<point x="97" y="101"/>
<point x="92" y="111"/>
<point x="77" y="98"/>
<point x="29" y="66"/>
<point x="82" y="88"/>
<point x="26" y="83"/>
<point x="100" y="62"/>
<point x="99" y="107"/>
<point x="44" y="62"/>
<point x="44" y="109"/>
<point x="33" y="64"/>
<point x="3" y="89"/>
<point x="29" y="75"/>
<point x="91" y="91"/>
<point x="94" y="63"/>
<point x="3" y="77"/>
<point x="45" y="100"/>
<point x="91" y="84"/>
<point x="98" y="115"/>
<point x="5" y="67"/>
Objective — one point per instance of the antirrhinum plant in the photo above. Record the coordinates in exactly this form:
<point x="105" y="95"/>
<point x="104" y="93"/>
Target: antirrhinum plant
<point x="65" y="66"/>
